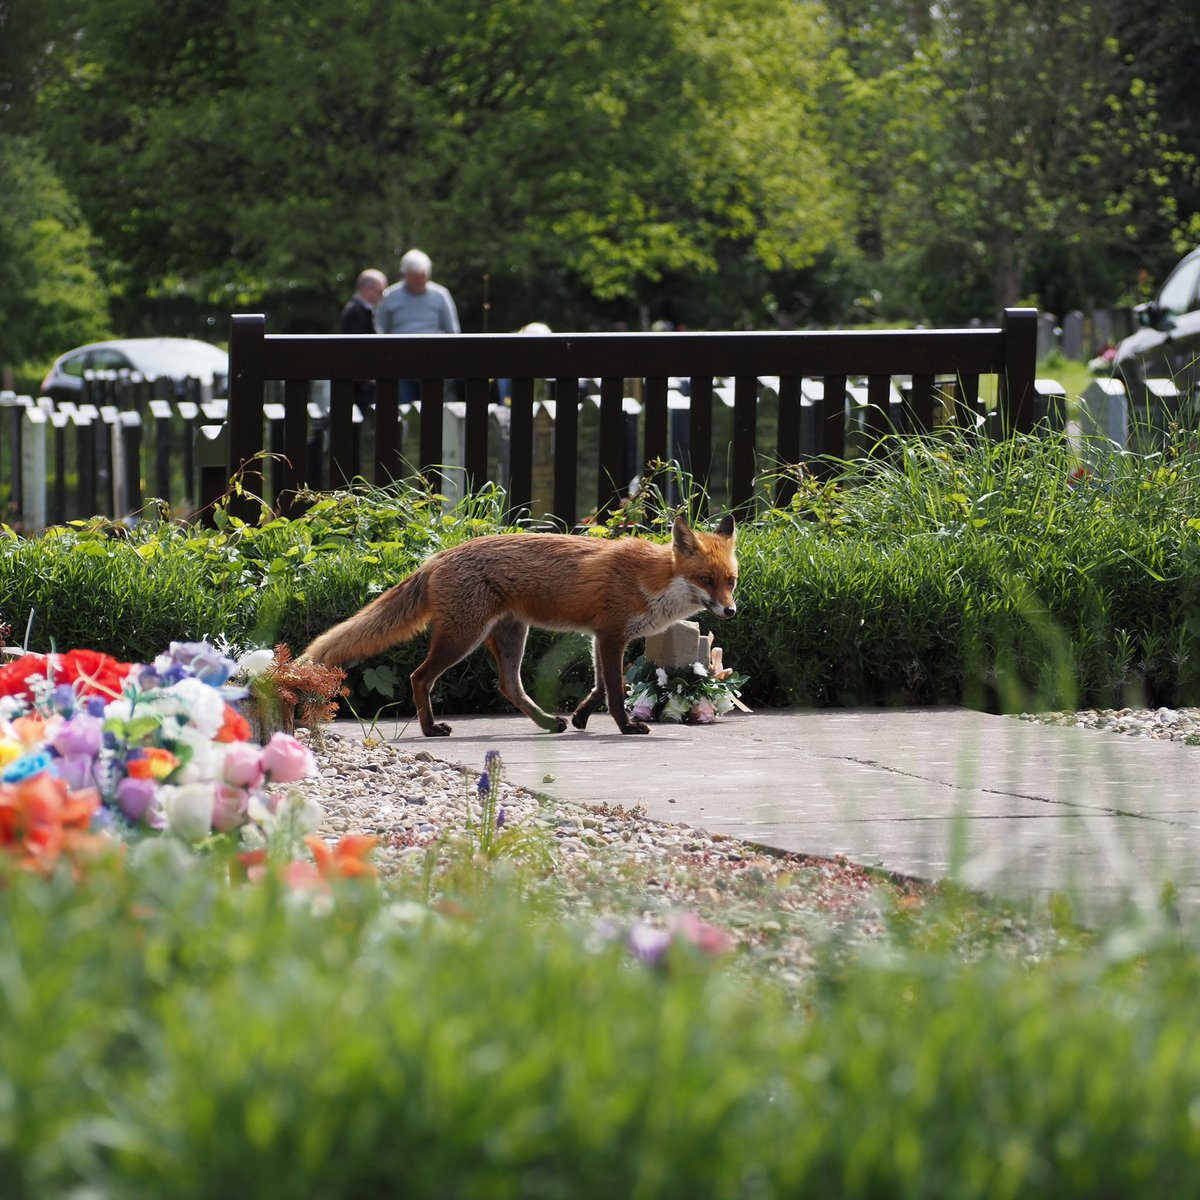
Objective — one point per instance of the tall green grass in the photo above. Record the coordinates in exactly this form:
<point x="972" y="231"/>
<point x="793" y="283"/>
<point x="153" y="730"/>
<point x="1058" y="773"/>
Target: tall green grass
<point x="164" y="1034"/>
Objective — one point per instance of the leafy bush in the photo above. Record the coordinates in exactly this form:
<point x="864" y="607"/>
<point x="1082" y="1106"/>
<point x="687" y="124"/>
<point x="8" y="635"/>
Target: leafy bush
<point x="952" y="571"/>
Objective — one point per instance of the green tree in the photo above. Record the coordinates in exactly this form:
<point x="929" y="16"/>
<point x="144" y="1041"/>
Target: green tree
<point x="50" y="295"/>
<point x="574" y="154"/>
<point x="997" y="131"/>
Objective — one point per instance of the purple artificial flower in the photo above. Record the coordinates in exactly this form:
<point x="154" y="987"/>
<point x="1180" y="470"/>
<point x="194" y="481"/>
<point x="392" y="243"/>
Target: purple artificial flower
<point x="62" y="699"/>
<point x="80" y="735"/>
<point x="76" y="770"/>
<point x="643" y="709"/>
<point x="135" y="797"/>
<point x="202" y="661"/>
<point x="94" y="706"/>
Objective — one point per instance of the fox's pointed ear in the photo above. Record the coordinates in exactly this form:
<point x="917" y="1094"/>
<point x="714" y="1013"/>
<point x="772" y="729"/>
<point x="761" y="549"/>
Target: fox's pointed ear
<point x="725" y="529"/>
<point x="683" y="539"/>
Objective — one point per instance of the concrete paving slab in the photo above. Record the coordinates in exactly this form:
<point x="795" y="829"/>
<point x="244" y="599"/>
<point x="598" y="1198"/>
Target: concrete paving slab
<point x="1009" y="806"/>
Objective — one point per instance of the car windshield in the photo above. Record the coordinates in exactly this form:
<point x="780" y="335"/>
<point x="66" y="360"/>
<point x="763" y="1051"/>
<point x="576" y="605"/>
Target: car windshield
<point x="177" y="358"/>
<point x="1178" y="294"/>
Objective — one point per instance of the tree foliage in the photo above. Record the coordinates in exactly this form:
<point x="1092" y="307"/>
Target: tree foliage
<point x="50" y="295"/>
<point x="572" y="153"/>
<point x="1000" y="131"/>
<point x="723" y="162"/>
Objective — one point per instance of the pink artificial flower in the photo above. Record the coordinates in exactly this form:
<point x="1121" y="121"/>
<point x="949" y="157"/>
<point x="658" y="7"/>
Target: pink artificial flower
<point x="243" y="766"/>
<point x="703" y="712"/>
<point x="229" y="808"/>
<point x="643" y="709"/>
<point x="285" y="760"/>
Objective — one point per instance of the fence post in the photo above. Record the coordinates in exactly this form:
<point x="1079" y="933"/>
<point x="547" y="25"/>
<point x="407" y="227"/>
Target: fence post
<point x="33" y="468"/>
<point x="244" y="420"/>
<point x="1016" y="394"/>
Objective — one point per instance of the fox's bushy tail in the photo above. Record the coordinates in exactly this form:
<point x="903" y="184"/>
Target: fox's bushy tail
<point x="399" y="614"/>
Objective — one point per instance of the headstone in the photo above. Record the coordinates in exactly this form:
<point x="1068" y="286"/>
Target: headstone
<point x="1047" y="334"/>
<point x="1104" y="411"/>
<point x="679" y="645"/>
<point x="1072" y="337"/>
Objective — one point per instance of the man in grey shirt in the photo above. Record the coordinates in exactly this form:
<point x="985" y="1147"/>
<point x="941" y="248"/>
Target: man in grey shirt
<point x="416" y="304"/>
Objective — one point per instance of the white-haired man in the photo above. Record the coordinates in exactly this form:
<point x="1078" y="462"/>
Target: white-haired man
<point x="416" y="304"/>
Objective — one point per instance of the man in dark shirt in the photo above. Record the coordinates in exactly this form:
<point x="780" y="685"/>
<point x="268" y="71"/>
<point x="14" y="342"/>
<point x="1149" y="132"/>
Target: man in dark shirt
<point x="359" y="317"/>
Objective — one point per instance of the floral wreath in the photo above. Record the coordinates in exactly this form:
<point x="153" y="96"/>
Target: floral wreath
<point x="695" y="693"/>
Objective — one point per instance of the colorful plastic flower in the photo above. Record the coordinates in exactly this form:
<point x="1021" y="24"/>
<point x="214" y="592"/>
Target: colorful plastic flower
<point x="285" y="760"/>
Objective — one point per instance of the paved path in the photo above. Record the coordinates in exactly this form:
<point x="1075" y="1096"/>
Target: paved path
<point x="1002" y="805"/>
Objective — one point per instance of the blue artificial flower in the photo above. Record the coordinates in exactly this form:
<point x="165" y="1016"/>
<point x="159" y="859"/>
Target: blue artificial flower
<point x="62" y="699"/>
<point x="27" y="766"/>
<point x="94" y="706"/>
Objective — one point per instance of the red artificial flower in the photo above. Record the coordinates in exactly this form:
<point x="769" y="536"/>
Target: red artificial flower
<point x="91" y="672"/>
<point x="235" y="727"/>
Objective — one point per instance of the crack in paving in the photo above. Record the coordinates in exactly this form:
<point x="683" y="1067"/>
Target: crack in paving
<point x="1071" y="805"/>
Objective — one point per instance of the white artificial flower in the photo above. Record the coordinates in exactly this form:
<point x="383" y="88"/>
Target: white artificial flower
<point x="699" y="668"/>
<point x="255" y="662"/>
<point x="661" y="676"/>
<point x="723" y="704"/>
<point x="676" y="707"/>
<point x="189" y="809"/>
<point x="202" y="705"/>
<point x="207" y="759"/>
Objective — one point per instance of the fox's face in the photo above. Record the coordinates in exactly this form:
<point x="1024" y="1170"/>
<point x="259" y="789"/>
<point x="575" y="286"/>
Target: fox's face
<point x="709" y="565"/>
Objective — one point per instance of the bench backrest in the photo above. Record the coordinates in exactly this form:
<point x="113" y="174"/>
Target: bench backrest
<point x="924" y="358"/>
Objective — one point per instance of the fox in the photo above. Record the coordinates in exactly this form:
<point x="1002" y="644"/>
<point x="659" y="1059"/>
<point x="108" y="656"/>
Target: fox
<point x="492" y="589"/>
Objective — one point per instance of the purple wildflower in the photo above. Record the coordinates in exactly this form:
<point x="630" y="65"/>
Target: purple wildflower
<point x="501" y="817"/>
<point x="484" y="786"/>
<point x="649" y="945"/>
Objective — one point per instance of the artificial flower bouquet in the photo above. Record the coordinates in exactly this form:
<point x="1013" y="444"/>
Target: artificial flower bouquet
<point x="696" y="693"/>
<point x="91" y="746"/>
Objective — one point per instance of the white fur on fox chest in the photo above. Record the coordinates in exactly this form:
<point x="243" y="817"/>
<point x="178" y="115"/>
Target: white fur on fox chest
<point x="681" y="599"/>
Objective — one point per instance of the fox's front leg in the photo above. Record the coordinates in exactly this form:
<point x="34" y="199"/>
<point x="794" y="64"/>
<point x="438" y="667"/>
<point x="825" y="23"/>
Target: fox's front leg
<point x="610" y="666"/>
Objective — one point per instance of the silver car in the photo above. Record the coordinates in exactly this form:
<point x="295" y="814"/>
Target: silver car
<point x="1167" y="344"/>
<point x="161" y="358"/>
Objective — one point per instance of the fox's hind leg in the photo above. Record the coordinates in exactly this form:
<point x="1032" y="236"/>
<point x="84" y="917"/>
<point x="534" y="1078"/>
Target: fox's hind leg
<point x="594" y="698"/>
<point x="506" y="642"/>
<point x="448" y="645"/>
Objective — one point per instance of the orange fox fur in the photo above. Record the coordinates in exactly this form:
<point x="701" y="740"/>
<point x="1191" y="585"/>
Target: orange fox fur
<point x="492" y="589"/>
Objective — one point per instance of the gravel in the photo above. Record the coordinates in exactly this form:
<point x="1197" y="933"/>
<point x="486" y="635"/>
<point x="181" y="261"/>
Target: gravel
<point x="607" y="863"/>
<point x="1161" y="724"/>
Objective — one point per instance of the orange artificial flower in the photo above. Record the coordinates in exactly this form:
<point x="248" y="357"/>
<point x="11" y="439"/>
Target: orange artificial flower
<point x="235" y="727"/>
<point x="155" y="763"/>
<point x="41" y="820"/>
<point x="347" y="860"/>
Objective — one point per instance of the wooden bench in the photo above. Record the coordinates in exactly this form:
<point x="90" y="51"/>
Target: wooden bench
<point x="930" y="362"/>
